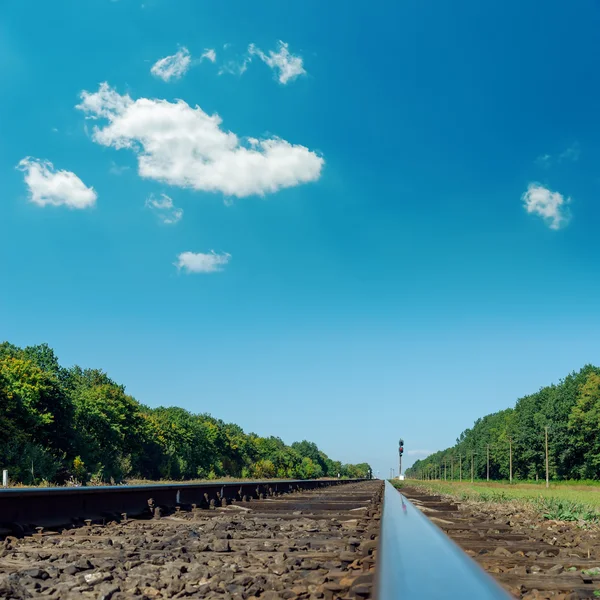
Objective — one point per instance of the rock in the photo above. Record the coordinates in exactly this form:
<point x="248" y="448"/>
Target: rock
<point x="106" y="592"/>
<point x="362" y="590"/>
<point x="220" y="545"/>
<point x="83" y="564"/>
<point x="175" y="586"/>
<point x="35" y="573"/>
<point x="501" y="551"/>
<point x="95" y="578"/>
<point x="535" y="569"/>
<point x="333" y="586"/>
<point x="556" y="569"/>
<point x="151" y="592"/>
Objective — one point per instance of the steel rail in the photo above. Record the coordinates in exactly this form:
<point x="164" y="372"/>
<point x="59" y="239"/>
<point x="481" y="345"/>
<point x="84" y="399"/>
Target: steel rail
<point x="417" y="561"/>
<point x="22" y="509"/>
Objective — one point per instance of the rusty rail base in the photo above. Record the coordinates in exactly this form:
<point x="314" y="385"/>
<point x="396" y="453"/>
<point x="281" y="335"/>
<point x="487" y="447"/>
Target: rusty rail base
<point x="23" y="509"/>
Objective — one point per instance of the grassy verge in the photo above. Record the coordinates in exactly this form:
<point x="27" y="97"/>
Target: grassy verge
<point x="559" y="502"/>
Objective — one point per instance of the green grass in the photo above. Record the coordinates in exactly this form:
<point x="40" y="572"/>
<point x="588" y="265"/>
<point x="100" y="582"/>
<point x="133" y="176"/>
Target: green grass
<point x="559" y="502"/>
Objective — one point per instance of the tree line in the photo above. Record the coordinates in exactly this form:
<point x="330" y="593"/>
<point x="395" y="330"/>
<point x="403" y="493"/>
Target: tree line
<point x="511" y="443"/>
<point x="62" y="424"/>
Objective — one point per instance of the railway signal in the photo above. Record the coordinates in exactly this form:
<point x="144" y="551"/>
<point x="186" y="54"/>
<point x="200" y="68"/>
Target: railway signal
<point x="400" y="452"/>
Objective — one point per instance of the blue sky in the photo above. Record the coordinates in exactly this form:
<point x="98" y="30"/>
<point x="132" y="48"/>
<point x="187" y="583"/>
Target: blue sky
<point x="390" y="228"/>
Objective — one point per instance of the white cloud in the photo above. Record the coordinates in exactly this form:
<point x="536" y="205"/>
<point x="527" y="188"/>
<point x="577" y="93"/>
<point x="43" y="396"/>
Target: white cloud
<point x="543" y="160"/>
<point x="172" y="67"/>
<point x="165" y="209"/>
<point x="192" y="262"/>
<point x="183" y="146"/>
<point x="235" y="68"/>
<point x="418" y="452"/>
<point x="47" y="186"/>
<point x="571" y="154"/>
<point x="287" y="65"/>
<point x="209" y="54"/>
<point x="550" y="206"/>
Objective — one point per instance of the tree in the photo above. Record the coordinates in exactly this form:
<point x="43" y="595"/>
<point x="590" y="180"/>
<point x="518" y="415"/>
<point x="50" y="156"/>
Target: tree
<point x="584" y="425"/>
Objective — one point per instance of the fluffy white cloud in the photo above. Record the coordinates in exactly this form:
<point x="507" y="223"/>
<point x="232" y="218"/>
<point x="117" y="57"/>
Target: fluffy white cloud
<point x="165" y="209"/>
<point x="209" y="54"/>
<point x="47" y="186"/>
<point x="183" y="146"/>
<point x="551" y="206"/>
<point x="197" y="262"/>
<point x="418" y="452"/>
<point x="287" y="65"/>
<point x="172" y="67"/>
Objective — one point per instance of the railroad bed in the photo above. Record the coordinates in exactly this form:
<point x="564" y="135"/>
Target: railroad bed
<point x="307" y="545"/>
<point x="530" y="558"/>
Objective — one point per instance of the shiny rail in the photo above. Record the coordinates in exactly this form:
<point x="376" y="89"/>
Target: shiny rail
<point x="417" y="561"/>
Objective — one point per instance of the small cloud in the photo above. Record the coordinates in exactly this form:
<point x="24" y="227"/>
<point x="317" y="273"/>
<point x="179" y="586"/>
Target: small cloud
<point x="543" y="161"/>
<point x="115" y="169"/>
<point x="54" y="130"/>
<point x="232" y="67"/>
<point x="209" y="54"/>
<point x="285" y="64"/>
<point x="164" y="208"/>
<point x="419" y="452"/>
<point x="550" y="206"/>
<point x="172" y="67"/>
<point x="192" y="262"/>
<point x="47" y="186"/>
<point x="571" y="153"/>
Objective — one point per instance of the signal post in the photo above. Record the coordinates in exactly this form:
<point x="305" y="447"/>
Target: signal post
<point x="400" y="452"/>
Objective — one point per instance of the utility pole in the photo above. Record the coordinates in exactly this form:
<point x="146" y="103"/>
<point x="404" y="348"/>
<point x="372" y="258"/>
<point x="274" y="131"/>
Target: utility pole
<point x="452" y="467"/>
<point x="547" y="466"/>
<point x="472" y="470"/>
<point x="488" y="462"/>
<point x="460" y="467"/>
<point x="510" y="458"/>
<point x="445" y="470"/>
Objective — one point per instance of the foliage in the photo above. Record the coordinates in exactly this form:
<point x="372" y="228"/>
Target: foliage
<point x="76" y="425"/>
<point x="560" y="502"/>
<point x="570" y="410"/>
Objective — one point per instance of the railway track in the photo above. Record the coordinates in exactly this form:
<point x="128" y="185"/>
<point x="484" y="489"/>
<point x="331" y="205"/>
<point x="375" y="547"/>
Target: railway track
<point x="273" y="540"/>
<point x="317" y="543"/>
<point x="530" y="559"/>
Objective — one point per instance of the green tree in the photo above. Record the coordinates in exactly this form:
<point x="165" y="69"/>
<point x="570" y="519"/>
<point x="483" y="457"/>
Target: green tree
<point x="584" y="427"/>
